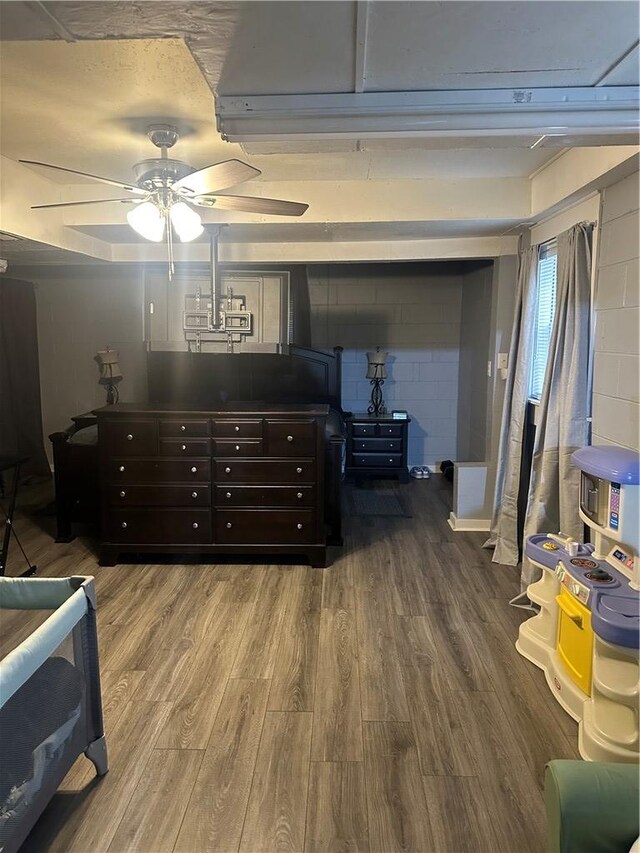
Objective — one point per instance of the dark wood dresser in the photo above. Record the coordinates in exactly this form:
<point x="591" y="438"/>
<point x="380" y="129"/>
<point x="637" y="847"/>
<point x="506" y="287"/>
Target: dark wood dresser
<point x="377" y="446"/>
<point x="247" y="480"/>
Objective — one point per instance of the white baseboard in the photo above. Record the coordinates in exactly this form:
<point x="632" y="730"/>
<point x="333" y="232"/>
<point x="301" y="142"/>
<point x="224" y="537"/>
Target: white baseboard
<point x="468" y="525"/>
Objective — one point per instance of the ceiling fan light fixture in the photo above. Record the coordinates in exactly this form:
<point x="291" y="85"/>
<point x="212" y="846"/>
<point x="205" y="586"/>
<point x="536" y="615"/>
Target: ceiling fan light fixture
<point x="186" y="221"/>
<point x="147" y="221"/>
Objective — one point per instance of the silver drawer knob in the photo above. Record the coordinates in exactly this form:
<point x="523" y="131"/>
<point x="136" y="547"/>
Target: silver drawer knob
<point x="298" y="470"/>
<point x="183" y="428"/>
<point x="237" y="428"/>
<point x="228" y="495"/>
<point x="183" y="447"/>
<point x="237" y="447"/>
<point x="227" y="470"/>
<point x="229" y="525"/>
<point x="194" y="469"/>
<point x="123" y="525"/>
<point x="299" y="496"/>
<point x="391" y="460"/>
<point x="289" y="438"/>
<point x="299" y="526"/>
<point x="121" y="468"/>
<point x="194" y="494"/>
<point x="122" y="494"/>
<point x="195" y="525"/>
<point x="129" y="437"/>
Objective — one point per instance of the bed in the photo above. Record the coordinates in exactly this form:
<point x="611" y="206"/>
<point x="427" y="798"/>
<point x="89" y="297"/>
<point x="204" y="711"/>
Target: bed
<point x="298" y="375"/>
<point x="50" y="704"/>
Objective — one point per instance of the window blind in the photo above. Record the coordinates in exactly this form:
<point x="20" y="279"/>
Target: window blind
<point x="545" y="312"/>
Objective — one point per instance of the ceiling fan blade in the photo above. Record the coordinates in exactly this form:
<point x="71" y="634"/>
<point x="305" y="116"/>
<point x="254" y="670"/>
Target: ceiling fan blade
<point x="252" y="204"/>
<point x="129" y="187"/>
<point x="93" y="201"/>
<point x="216" y="177"/>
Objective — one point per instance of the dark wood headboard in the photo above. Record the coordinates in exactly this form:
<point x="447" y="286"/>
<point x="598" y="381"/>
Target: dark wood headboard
<point x="299" y="375"/>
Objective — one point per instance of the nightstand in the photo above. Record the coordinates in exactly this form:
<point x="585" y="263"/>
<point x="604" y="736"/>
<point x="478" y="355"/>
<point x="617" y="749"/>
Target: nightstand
<point x="377" y="446"/>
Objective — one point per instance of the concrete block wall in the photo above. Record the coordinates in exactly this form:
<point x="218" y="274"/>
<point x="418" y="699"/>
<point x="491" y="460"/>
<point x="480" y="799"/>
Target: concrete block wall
<point x="81" y="310"/>
<point x="616" y="383"/>
<point x="411" y="310"/>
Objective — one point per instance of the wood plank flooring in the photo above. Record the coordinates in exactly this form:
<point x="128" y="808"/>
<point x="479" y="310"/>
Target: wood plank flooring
<point x="377" y="705"/>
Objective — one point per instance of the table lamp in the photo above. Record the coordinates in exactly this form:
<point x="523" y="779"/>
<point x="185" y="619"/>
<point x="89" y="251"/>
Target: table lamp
<point x="377" y="373"/>
<point x="109" y="373"/>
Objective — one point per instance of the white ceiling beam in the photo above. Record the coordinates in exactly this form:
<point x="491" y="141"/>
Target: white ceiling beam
<point x="314" y="252"/>
<point x="362" y="26"/>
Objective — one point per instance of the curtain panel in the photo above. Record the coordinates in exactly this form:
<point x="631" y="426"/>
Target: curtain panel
<point x="504" y="526"/>
<point x="563" y="412"/>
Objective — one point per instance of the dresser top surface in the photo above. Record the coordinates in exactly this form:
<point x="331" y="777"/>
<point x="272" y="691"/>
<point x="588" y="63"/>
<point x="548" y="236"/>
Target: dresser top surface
<point x="365" y="417"/>
<point x="230" y="410"/>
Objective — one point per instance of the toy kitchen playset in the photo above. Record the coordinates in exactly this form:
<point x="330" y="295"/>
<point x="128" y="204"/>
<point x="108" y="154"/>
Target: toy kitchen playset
<point x="587" y="633"/>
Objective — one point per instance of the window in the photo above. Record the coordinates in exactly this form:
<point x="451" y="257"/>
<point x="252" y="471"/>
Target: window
<point x="545" y="310"/>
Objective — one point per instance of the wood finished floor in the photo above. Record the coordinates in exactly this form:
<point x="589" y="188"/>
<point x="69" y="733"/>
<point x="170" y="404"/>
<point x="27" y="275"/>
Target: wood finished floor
<point x="377" y="705"/>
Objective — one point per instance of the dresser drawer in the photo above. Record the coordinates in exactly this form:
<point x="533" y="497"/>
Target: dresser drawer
<point x="290" y="438"/>
<point x="227" y="447"/>
<point x="388" y="430"/>
<point x="159" y="471"/>
<point x="363" y="429"/>
<point x="377" y="445"/>
<point x="130" y="437"/>
<point x="265" y="471"/>
<point x="377" y="460"/>
<point x="237" y="428"/>
<point x="159" y="495"/>
<point x="265" y="526"/>
<point x="265" y="496"/>
<point x="160" y="526"/>
<point x="183" y="429"/>
<point x="185" y="447"/>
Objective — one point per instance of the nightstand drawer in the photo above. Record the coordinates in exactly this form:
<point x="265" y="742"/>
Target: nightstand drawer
<point x="265" y="471"/>
<point x="162" y="526"/>
<point x="159" y="495"/>
<point x="159" y="471"/>
<point x="377" y="445"/>
<point x="291" y="438"/>
<point x="183" y="429"/>
<point x="377" y="460"/>
<point x="265" y="496"/>
<point x="265" y="526"/>
<point x="388" y="430"/>
<point x="228" y="447"/>
<point x="363" y="429"/>
<point x="130" y="437"/>
<point x="188" y="447"/>
<point x="237" y="428"/>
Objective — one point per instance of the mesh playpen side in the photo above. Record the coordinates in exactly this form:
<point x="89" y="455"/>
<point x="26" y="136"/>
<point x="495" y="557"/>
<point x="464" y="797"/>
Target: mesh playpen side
<point x="50" y="703"/>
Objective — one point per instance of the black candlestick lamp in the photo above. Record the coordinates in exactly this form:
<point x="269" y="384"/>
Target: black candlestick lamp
<point x="109" y="373"/>
<point x="377" y="373"/>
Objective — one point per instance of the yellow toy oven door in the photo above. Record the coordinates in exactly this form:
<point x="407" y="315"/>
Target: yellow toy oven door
<point x="575" y="639"/>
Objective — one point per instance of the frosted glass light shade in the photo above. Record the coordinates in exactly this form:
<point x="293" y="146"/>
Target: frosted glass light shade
<point x="186" y="221"/>
<point x="147" y="221"/>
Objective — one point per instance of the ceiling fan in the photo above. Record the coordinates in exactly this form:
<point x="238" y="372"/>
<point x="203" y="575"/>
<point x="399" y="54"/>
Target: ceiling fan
<point x="165" y="189"/>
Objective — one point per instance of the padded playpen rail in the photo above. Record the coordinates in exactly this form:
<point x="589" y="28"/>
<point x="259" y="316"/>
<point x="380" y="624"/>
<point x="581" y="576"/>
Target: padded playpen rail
<point x="50" y="704"/>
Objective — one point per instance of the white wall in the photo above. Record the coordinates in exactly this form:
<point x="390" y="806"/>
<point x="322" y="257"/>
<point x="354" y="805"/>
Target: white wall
<point x="411" y="310"/>
<point x="82" y="310"/>
<point x="616" y="406"/>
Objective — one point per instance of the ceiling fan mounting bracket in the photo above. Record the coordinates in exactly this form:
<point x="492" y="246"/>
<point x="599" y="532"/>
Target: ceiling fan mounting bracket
<point x="163" y="135"/>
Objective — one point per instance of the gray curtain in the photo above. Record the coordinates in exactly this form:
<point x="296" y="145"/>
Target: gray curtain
<point x="564" y="405"/>
<point x="504" y="524"/>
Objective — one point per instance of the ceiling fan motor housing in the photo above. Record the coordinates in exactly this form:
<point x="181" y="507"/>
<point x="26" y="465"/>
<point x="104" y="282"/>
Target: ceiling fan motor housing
<point x="158" y="172"/>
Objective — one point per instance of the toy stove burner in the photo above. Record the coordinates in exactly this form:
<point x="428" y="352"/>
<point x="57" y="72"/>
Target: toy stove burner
<point x="599" y="576"/>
